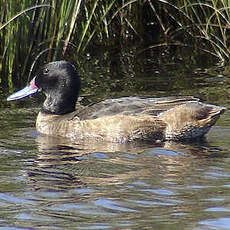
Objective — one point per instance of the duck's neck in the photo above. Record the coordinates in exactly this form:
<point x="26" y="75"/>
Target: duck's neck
<point x="58" y="105"/>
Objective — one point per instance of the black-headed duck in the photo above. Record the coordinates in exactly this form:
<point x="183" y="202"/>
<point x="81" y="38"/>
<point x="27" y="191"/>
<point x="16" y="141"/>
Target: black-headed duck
<point x="116" y="120"/>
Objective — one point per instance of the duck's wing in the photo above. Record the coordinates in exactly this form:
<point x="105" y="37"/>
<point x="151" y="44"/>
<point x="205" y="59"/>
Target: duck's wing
<point x="132" y="106"/>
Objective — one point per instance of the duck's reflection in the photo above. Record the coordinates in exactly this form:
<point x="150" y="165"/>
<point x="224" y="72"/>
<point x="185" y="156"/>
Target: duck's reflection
<point x="170" y="176"/>
<point x="61" y="164"/>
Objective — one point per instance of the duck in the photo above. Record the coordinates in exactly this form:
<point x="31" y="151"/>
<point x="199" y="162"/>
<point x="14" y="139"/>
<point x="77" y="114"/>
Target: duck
<point x="125" y="119"/>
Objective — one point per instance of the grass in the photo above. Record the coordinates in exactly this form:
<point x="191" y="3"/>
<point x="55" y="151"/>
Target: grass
<point x="203" y="25"/>
<point x="40" y="31"/>
<point x="212" y="20"/>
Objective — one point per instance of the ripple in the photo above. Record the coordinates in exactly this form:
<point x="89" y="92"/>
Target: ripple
<point x="217" y="209"/>
<point x="218" y="223"/>
<point x="109" y="204"/>
<point x="14" y="199"/>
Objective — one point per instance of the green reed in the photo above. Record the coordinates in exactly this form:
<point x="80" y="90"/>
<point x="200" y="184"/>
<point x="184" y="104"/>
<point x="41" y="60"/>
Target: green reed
<point x="44" y="30"/>
<point x="203" y="23"/>
<point x="212" y="19"/>
<point x="34" y="31"/>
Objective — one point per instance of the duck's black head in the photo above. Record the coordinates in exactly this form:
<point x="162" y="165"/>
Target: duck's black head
<point x="60" y="83"/>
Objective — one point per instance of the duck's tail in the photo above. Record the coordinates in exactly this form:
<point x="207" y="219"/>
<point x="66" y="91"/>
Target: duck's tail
<point x="190" y="120"/>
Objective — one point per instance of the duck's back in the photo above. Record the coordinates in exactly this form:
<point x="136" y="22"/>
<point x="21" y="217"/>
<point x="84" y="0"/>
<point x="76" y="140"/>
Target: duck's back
<point x="132" y="106"/>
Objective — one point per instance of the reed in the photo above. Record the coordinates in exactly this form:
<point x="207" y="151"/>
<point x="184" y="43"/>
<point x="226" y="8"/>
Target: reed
<point x="213" y="21"/>
<point x="39" y="31"/>
<point x="43" y="30"/>
<point x="205" y="24"/>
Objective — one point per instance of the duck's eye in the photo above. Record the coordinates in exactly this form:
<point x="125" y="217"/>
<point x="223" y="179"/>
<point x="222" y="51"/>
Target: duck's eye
<point x="46" y="71"/>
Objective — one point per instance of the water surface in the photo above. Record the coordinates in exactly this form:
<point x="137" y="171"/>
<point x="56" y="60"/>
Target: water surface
<point x="52" y="183"/>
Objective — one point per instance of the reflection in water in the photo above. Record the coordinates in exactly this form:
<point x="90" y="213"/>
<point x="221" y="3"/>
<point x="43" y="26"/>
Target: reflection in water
<point x="124" y="182"/>
<point x="173" y="159"/>
<point x="56" y="183"/>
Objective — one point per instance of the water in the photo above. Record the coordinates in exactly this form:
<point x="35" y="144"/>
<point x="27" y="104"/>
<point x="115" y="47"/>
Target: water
<point x="51" y="183"/>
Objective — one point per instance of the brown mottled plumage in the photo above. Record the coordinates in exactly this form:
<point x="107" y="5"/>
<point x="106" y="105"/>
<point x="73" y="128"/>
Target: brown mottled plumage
<point x="116" y="120"/>
<point x="185" y="121"/>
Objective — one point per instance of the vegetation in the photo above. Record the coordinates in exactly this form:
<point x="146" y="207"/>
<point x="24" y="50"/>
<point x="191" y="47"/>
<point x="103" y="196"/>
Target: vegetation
<point x="42" y="30"/>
